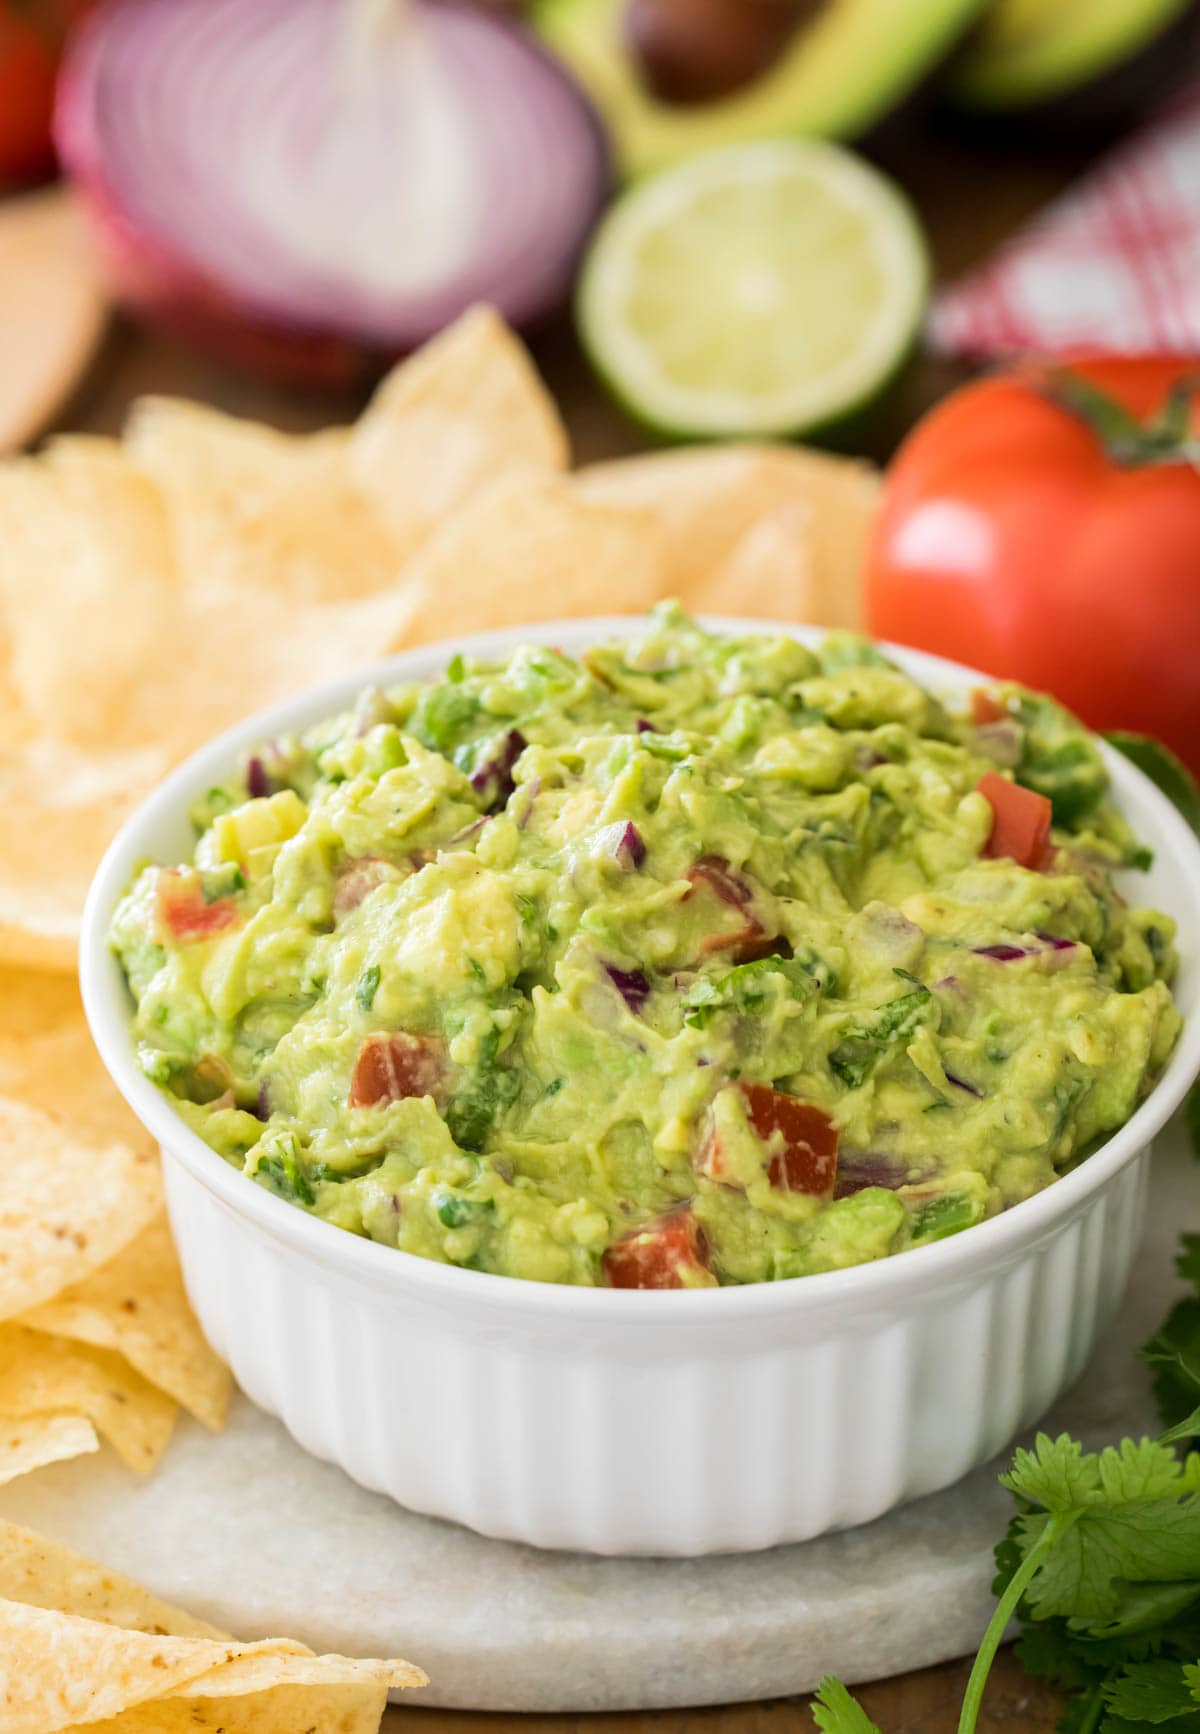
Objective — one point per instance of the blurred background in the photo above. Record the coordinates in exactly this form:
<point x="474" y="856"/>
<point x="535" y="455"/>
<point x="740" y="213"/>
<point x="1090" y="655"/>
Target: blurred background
<point x="285" y="193"/>
<point x="801" y="220"/>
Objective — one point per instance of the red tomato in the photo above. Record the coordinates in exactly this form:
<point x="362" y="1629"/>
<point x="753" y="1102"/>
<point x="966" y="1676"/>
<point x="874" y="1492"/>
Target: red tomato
<point x="392" y="1064"/>
<point x="32" y="33"/>
<point x="807" y="1162"/>
<point x="1015" y="536"/>
<point x="660" y="1255"/>
<point x="986" y="709"/>
<point x="183" y="912"/>
<point x="1020" y="821"/>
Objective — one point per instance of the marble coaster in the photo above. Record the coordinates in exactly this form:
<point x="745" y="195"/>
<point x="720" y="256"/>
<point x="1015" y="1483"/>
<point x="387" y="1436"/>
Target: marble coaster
<point x="251" y="1533"/>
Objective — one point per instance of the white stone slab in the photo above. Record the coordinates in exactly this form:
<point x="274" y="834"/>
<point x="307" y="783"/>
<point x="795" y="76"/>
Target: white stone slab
<point x="251" y="1533"/>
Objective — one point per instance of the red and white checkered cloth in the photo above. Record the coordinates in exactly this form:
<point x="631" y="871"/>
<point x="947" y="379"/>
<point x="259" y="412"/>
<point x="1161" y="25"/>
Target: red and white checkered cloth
<point x="1113" y="265"/>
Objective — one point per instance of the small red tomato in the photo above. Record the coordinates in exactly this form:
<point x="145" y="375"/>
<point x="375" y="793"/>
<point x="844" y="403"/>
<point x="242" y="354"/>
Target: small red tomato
<point x="183" y="912"/>
<point x="1020" y="821"/>
<point x="668" y="1253"/>
<point x="1045" y="525"/>
<point x="393" y="1064"/>
<point x="806" y="1160"/>
<point x="32" y="33"/>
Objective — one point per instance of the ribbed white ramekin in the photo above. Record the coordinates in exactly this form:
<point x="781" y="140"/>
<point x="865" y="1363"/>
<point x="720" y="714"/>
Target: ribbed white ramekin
<point x="627" y="1422"/>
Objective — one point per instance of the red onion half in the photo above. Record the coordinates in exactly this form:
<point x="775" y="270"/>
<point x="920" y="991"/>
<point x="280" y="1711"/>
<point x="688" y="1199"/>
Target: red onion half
<point x="300" y="181"/>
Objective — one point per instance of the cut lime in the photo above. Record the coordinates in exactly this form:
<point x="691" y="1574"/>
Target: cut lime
<point x="770" y="289"/>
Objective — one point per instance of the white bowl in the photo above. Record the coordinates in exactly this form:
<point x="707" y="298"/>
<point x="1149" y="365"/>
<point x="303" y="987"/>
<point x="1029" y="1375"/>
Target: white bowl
<point x="623" y="1421"/>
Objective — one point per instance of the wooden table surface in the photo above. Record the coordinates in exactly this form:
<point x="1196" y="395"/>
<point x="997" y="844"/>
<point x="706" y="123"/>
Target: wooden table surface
<point x="971" y="197"/>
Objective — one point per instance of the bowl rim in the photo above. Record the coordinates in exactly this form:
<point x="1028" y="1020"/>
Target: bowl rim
<point x="988" y="1244"/>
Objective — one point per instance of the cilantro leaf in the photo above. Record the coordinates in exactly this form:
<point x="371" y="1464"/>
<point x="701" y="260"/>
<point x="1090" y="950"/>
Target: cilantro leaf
<point x="1164" y="770"/>
<point x="836" y="1712"/>
<point x="1173" y="1352"/>
<point x="751" y="987"/>
<point x="1153" y="1692"/>
<point x="863" y="1045"/>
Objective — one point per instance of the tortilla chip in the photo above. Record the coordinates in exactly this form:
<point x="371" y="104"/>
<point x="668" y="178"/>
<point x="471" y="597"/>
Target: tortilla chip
<point x="247" y="501"/>
<point x="29" y="1445"/>
<point x="41" y="1375"/>
<point x="136" y="1305"/>
<point x="68" y="1203"/>
<point x="43" y="1573"/>
<point x="464" y="411"/>
<point x="98" y="1651"/>
<point x="47" y="1056"/>
<point x="525" y="549"/>
<point x="282" y="1710"/>
<point x="754" y="530"/>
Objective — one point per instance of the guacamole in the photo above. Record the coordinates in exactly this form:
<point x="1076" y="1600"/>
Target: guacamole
<point x="695" y="960"/>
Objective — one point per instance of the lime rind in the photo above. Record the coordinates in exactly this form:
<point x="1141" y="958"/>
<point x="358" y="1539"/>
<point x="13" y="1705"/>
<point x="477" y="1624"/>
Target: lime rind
<point x="663" y="220"/>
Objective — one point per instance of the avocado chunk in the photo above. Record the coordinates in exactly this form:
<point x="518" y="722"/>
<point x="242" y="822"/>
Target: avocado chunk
<point x="844" y="67"/>
<point x="1059" y="61"/>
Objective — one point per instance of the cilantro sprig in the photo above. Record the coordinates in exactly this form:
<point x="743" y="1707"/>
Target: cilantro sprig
<point x="1101" y="1564"/>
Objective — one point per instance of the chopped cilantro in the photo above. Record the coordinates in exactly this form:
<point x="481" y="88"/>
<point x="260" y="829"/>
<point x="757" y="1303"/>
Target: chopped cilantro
<point x="864" y="1045"/>
<point x="368" y="984"/>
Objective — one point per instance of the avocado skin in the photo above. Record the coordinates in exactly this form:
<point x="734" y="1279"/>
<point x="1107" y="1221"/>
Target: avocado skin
<point x="1102" y="102"/>
<point x="649" y="135"/>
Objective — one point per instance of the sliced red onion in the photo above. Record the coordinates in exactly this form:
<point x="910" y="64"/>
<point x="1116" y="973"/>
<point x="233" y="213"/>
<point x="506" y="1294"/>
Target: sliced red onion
<point x="470" y="830"/>
<point x="631" y="984"/>
<point x="856" y="1173"/>
<point x="1056" y="942"/>
<point x="307" y="179"/>
<point x="493" y="779"/>
<point x="1002" y="953"/>
<point x="630" y="850"/>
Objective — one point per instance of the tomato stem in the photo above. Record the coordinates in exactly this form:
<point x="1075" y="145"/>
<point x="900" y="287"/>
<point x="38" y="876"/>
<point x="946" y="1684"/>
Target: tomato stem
<point x="1167" y="438"/>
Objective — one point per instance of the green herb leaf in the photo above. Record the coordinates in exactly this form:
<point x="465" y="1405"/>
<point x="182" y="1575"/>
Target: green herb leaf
<point x="1153" y="1692"/>
<point x="836" y="1712"/>
<point x="367" y="987"/>
<point x="863" y="1045"/>
<point x="1164" y="770"/>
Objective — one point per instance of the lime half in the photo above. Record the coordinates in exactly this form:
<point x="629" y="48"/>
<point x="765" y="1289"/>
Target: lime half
<point x="768" y="289"/>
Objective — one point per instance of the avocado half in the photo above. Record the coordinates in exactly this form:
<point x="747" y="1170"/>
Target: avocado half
<point x="843" y="71"/>
<point x="1071" y="61"/>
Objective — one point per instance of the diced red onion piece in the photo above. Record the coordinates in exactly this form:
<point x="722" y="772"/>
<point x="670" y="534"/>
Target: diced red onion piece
<point x="855" y="1173"/>
<point x="309" y="179"/>
<point x="632" y="986"/>
<point x="258" y="783"/>
<point x="962" y="1084"/>
<point x="494" y="777"/>
<point x="1057" y="943"/>
<point x="1002" y="953"/>
<point x="630" y="850"/>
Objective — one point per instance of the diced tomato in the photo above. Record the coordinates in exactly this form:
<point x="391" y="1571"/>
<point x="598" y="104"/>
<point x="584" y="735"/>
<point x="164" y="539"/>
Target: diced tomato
<point x="986" y="709"/>
<point x="1020" y="821"/>
<point x="714" y="871"/>
<point x="807" y="1160"/>
<point x="392" y="1064"/>
<point x="670" y="1252"/>
<point x="357" y="879"/>
<point x="182" y="912"/>
<point x="749" y="939"/>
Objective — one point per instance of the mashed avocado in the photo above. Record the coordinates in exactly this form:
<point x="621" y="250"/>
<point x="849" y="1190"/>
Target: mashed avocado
<point x="697" y="960"/>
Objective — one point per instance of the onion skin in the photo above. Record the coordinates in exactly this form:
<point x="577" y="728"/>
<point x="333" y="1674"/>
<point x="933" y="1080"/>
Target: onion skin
<point x="156" y="278"/>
